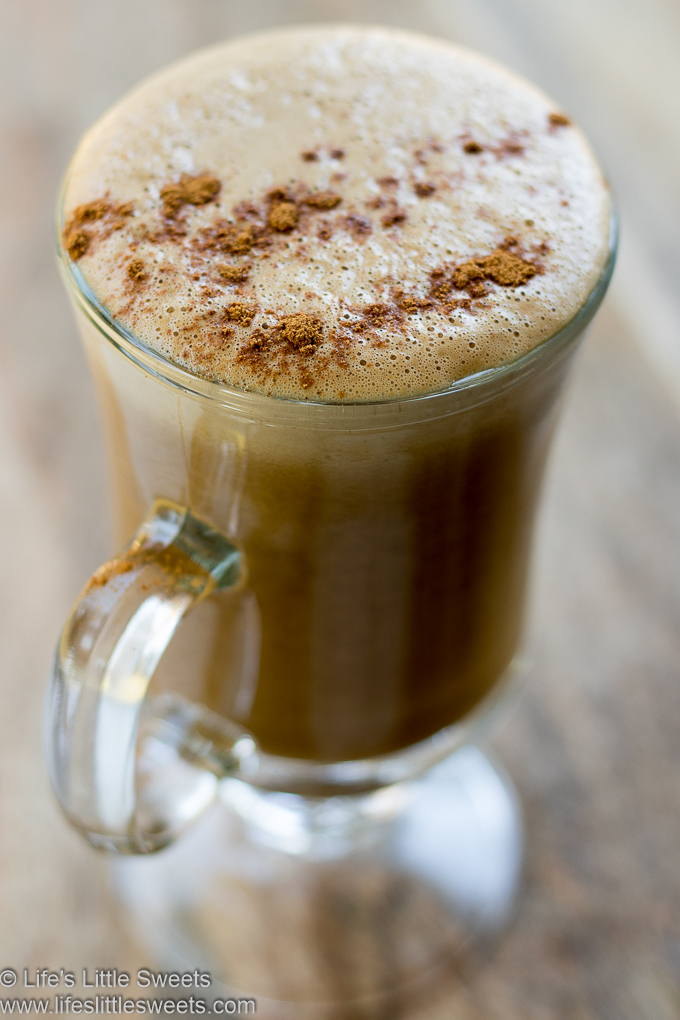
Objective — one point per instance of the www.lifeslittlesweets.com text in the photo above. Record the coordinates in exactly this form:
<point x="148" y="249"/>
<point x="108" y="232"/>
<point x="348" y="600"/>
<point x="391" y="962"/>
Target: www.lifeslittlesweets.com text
<point x="113" y="990"/>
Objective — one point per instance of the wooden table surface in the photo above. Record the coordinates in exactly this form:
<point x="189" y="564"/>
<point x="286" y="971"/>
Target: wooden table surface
<point x="593" y="742"/>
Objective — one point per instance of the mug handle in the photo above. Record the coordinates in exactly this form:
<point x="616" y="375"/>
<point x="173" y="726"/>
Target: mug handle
<point x="129" y="771"/>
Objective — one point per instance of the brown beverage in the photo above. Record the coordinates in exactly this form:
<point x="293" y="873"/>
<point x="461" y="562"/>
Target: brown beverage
<point x="339" y="227"/>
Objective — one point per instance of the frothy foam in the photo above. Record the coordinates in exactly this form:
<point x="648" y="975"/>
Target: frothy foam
<point x="338" y="214"/>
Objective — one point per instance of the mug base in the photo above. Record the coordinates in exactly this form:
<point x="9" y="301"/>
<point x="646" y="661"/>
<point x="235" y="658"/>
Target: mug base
<point x="316" y="904"/>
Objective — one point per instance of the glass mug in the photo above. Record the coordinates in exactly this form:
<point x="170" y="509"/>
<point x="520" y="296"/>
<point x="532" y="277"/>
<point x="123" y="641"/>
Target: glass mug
<point x="358" y="573"/>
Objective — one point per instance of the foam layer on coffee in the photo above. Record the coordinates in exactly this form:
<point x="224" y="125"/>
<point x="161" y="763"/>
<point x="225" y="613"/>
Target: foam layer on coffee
<point x="337" y="214"/>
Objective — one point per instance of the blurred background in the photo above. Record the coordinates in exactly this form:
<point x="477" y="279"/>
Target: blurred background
<point x="593" y="742"/>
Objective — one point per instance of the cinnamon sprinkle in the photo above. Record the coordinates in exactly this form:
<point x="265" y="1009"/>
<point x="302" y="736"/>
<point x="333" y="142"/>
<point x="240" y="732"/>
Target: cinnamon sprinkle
<point x="394" y="217"/>
<point x="76" y="240"/>
<point x="323" y="200"/>
<point x="512" y="146"/>
<point x="441" y="285"/>
<point x="228" y="237"/>
<point x="240" y="313"/>
<point x="358" y="226"/>
<point x="501" y="266"/>
<point x="197" y="190"/>
<point x="376" y="314"/>
<point x="137" y="271"/>
<point x="76" y="243"/>
<point x="90" y="211"/>
<point x="234" y="274"/>
<point x="325" y="231"/>
<point x="410" y="304"/>
<point x="257" y="344"/>
<point x="283" y="216"/>
<point x="302" y="331"/>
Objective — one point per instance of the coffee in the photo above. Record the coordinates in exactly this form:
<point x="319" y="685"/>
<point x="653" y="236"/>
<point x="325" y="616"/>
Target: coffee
<point x="341" y="217"/>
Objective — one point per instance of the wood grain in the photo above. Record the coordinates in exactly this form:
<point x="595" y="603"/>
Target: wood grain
<point x="593" y="742"/>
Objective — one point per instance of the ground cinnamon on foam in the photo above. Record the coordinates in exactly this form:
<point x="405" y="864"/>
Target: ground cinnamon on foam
<point x="323" y="200"/>
<point x="303" y="332"/>
<point x="234" y="274"/>
<point x="279" y="214"/>
<point x="377" y="208"/>
<point x="197" y="190"/>
<point x="136" y="271"/>
<point x="558" y="120"/>
<point x="501" y="267"/>
<point x="233" y="240"/>
<point x="283" y="216"/>
<point x="77" y="240"/>
<point x="240" y="313"/>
